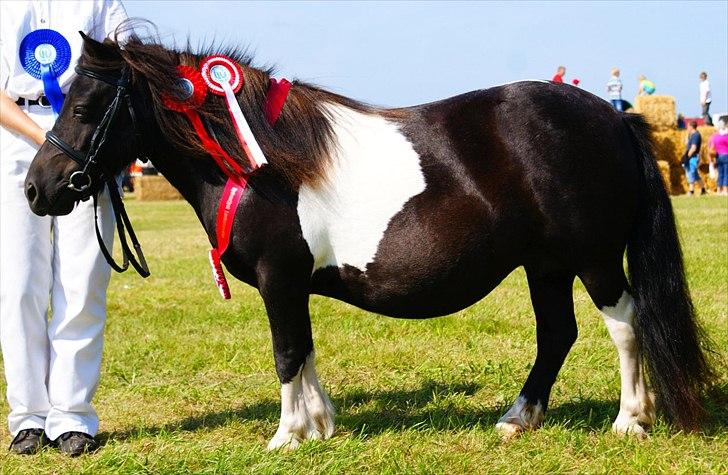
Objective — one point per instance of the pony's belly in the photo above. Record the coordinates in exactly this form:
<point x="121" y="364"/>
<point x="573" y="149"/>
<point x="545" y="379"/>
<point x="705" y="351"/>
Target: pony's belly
<point x="431" y="292"/>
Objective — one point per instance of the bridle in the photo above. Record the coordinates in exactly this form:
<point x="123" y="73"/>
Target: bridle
<point x="80" y="180"/>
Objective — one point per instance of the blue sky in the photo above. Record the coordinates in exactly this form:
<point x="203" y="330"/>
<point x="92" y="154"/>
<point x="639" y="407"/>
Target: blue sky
<point x="405" y="53"/>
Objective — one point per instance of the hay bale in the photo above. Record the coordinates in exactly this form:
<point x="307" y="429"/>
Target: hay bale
<point x="659" y="111"/>
<point x="670" y="145"/>
<point x="154" y="188"/>
<point x="678" y="181"/>
<point x="665" y="172"/>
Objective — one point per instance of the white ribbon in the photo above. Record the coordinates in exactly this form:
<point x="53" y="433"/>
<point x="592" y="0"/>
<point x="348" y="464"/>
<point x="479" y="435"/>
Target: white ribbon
<point x="245" y="135"/>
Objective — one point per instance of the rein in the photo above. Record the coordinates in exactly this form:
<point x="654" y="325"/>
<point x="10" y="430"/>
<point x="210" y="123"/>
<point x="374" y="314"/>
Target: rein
<point x="80" y="181"/>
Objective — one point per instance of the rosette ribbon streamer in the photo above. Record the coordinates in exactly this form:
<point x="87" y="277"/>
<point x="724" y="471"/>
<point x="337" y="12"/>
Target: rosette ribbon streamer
<point x="45" y="54"/>
<point x="191" y="82"/>
<point x="224" y="77"/>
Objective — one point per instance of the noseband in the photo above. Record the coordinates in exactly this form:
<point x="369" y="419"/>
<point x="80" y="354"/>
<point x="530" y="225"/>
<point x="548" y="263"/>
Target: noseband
<point x="80" y="180"/>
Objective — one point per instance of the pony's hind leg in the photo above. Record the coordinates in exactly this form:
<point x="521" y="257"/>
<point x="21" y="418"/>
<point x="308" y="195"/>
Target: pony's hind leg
<point x="609" y="294"/>
<point x="552" y="299"/>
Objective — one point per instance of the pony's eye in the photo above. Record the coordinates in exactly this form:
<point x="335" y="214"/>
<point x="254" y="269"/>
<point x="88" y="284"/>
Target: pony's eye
<point x="80" y="112"/>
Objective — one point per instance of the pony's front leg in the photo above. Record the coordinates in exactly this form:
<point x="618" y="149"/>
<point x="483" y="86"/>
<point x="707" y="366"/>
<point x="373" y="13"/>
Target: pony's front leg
<point x="306" y="412"/>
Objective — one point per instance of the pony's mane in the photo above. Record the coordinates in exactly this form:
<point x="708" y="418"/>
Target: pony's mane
<point x="299" y="145"/>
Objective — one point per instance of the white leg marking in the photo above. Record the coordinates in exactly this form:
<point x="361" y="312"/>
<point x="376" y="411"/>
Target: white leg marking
<point x="636" y="406"/>
<point x="374" y="171"/>
<point x="306" y="412"/>
<point x="520" y="417"/>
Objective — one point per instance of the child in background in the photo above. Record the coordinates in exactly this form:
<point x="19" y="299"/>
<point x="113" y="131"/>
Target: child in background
<point x="614" y="89"/>
<point x="647" y="87"/>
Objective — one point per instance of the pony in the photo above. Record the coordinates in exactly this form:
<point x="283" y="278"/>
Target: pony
<point x="414" y="212"/>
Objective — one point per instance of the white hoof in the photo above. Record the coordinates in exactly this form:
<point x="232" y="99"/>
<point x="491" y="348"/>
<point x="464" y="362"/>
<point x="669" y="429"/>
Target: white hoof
<point x="627" y="425"/>
<point x="284" y="441"/>
<point x="521" y="417"/>
<point x="508" y="430"/>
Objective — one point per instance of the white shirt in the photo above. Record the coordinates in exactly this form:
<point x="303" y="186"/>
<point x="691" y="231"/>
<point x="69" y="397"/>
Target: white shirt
<point x="705" y="92"/>
<point x="97" y="18"/>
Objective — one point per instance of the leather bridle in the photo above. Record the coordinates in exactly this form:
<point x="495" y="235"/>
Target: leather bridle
<point x="80" y="180"/>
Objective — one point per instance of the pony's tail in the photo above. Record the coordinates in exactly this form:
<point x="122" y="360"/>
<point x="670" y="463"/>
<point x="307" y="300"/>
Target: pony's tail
<point x="669" y="338"/>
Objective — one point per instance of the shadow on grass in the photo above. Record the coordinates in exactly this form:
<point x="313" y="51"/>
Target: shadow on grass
<point x="432" y="406"/>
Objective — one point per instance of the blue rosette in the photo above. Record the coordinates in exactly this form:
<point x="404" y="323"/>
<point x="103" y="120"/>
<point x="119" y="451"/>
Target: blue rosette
<point x="45" y="54"/>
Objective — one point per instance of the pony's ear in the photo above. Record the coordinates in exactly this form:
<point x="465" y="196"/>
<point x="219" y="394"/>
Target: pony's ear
<point x="95" y="49"/>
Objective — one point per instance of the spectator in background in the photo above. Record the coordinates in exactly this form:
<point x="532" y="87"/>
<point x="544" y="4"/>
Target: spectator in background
<point x="705" y="97"/>
<point x="647" y="87"/>
<point x="718" y="146"/>
<point x="693" y="159"/>
<point x="559" y="76"/>
<point x="680" y="122"/>
<point x="614" y="89"/>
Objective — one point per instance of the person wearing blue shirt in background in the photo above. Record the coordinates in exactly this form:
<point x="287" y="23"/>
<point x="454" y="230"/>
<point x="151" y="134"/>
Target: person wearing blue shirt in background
<point x="614" y="89"/>
<point x="693" y="159"/>
<point x="53" y="277"/>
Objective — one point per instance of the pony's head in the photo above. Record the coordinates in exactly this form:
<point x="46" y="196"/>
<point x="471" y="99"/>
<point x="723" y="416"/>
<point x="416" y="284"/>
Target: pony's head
<point x="95" y="136"/>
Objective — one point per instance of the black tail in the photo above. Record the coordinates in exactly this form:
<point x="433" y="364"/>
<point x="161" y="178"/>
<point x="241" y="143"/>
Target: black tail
<point x="669" y="337"/>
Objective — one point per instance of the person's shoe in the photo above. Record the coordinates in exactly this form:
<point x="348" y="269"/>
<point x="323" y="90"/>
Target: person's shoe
<point x="29" y="441"/>
<point x="74" y="444"/>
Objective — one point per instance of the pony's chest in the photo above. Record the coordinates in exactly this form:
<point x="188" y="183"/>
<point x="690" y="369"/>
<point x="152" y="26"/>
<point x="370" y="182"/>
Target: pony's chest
<point x="373" y="173"/>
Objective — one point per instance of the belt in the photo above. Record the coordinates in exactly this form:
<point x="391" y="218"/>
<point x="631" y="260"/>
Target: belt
<point x="42" y="101"/>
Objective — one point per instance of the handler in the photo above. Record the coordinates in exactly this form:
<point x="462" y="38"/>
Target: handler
<point x="53" y="278"/>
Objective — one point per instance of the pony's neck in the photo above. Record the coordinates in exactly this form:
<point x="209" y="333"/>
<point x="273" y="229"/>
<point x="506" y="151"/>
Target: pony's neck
<point x="195" y="179"/>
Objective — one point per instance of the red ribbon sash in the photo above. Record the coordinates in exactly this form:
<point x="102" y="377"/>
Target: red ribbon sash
<point x="231" y="195"/>
<point x="235" y="186"/>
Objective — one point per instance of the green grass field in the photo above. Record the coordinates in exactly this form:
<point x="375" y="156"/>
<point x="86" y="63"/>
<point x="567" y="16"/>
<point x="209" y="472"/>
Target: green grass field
<point x="188" y="383"/>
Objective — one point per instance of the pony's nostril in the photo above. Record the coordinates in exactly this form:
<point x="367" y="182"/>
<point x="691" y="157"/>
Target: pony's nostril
<point x="30" y="192"/>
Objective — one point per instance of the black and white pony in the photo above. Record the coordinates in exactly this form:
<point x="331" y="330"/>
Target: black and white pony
<point x="415" y="213"/>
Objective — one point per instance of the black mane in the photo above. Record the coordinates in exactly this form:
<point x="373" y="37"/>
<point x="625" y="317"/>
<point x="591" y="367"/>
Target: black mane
<point x="298" y="145"/>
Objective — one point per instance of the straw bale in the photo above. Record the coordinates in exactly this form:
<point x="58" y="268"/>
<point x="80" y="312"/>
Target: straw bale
<point x="678" y="180"/>
<point x="154" y="188"/>
<point x="659" y="111"/>
<point x="665" y="172"/>
<point x="669" y="145"/>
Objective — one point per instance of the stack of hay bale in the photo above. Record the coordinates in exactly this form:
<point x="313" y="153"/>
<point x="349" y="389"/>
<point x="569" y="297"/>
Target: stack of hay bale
<point x="670" y="142"/>
<point x="154" y="188"/>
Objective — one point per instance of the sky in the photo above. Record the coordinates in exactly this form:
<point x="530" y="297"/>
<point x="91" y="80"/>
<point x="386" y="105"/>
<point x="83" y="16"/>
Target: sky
<point x="406" y="53"/>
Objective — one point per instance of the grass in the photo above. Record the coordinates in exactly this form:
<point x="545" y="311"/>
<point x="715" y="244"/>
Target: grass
<point x="188" y="383"/>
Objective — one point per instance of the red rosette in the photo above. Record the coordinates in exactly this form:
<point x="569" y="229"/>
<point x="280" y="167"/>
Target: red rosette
<point x="221" y="68"/>
<point x="191" y="82"/>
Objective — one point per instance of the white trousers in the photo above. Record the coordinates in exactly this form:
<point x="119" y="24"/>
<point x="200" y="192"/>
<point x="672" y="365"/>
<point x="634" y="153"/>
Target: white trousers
<point x="53" y="281"/>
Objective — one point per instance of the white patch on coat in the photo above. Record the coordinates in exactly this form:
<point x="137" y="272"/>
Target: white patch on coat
<point x="636" y="406"/>
<point x="520" y="417"/>
<point x="306" y="411"/>
<point x="373" y="173"/>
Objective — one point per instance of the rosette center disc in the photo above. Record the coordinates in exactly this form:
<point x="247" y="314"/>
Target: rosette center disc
<point x="220" y="74"/>
<point x="45" y="53"/>
<point x="188" y="89"/>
